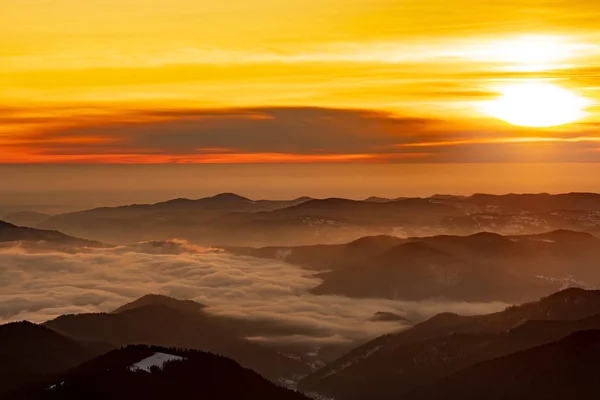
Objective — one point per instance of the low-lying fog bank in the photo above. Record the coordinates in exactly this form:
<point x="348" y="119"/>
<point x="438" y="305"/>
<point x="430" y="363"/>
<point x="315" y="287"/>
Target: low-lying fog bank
<point x="43" y="284"/>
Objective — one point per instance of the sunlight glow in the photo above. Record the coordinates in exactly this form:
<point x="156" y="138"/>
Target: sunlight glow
<point x="536" y="104"/>
<point x="532" y="50"/>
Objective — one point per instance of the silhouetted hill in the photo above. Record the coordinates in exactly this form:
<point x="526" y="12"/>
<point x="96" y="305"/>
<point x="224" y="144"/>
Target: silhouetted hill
<point x="181" y="218"/>
<point x="267" y="228"/>
<point x="480" y="267"/>
<point x="231" y="220"/>
<point x="141" y="372"/>
<point x="539" y="203"/>
<point x="410" y="211"/>
<point x="594" y="231"/>
<point x="12" y="233"/>
<point x="30" y="352"/>
<point x="326" y="257"/>
<point x="392" y="365"/>
<point x="246" y="327"/>
<point x="388" y="316"/>
<point x="567" y="369"/>
<point x="156" y="320"/>
<point x="14" y="376"/>
<point x="376" y="199"/>
<point x="40" y="349"/>
<point x="160" y="300"/>
<point x="26" y="218"/>
<point x="412" y="271"/>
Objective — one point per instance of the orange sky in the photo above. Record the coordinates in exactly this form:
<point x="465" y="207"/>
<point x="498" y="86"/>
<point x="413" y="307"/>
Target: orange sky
<point x="188" y="81"/>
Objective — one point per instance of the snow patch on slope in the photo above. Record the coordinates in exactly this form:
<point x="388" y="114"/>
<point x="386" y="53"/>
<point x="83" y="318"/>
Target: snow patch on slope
<point x="156" y="360"/>
<point x="52" y="387"/>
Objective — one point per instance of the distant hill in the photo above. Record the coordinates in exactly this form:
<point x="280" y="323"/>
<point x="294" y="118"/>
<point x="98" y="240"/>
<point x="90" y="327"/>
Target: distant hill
<point x="160" y="221"/>
<point x="538" y="203"/>
<point x="162" y="321"/>
<point x="480" y="267"/>
<point x="376" y="199"/>
<point x="594" y="231"/>
<point x="326" y="257"/>
<point x="393" y="365"/>
<point x="29" y="219"/>
<point x="228" y="219"/>
<point x="13" y="233"/>
<point x="409" y="211"/>
<point x="143" y="372"/>
<point x="389" y="316"/>
<point x="187" y="306"/>
<point x="566" y="369"/>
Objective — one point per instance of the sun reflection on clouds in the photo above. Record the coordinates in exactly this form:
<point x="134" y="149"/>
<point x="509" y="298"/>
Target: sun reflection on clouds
<point x="529" y="53"/>
<point x="535" y="49"/>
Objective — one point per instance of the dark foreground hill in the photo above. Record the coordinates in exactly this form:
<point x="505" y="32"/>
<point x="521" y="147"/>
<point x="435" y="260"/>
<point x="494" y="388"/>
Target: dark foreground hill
<point x="30" y="352"/>
<point x="142" y="372"/>
<point x="390" y="366"/>
<point x="162" y="321"/>
<point x="567" y="369"/>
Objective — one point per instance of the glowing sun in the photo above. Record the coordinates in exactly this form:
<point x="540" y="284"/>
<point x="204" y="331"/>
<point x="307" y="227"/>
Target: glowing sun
<point x="536" y="104"/>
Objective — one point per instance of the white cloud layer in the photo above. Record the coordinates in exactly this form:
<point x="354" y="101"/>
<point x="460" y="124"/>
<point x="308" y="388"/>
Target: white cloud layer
<point x="41" y="285"/>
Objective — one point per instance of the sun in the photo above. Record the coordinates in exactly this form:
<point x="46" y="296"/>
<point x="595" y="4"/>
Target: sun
<point x="536" y="104"/>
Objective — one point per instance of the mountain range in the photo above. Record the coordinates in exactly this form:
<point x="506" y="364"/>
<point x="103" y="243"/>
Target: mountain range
<point x="480" y="267"/>
<point x="28" y="219"/>
<point x="543" y="349"/>
<point x="13" y="233"/>
<point x="537" y="250"/>
<point x="233" y="220"/>
<point x="565" y="369"/>
<point x="163" y="321"/>
<point x="151" y="372"/>
<point x="30" y="353"/>
<point x="392" y="366"/>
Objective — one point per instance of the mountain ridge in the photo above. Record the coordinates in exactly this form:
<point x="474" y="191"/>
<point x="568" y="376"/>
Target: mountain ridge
<point x="448" y="343"/>
<point x="13" y="233"/>
<point x="174" y="325"/>
<point x="190" y="374"/>
<point x="558" y="370"/>
<point x="233" y="220"/>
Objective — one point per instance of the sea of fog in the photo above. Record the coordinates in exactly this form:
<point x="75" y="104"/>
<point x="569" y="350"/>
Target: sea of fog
<point x="41" y="285"/>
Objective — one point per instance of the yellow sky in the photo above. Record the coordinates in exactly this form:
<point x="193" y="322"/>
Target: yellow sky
<point x="73" y="65"/>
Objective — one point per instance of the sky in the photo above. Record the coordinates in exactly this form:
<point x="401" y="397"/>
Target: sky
<point x="299" y="82"/>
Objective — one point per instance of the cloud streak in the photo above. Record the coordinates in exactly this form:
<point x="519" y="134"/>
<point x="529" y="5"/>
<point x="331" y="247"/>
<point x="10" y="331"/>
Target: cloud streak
<point x="283" y="135"/>
<point x="418" y="58"/>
